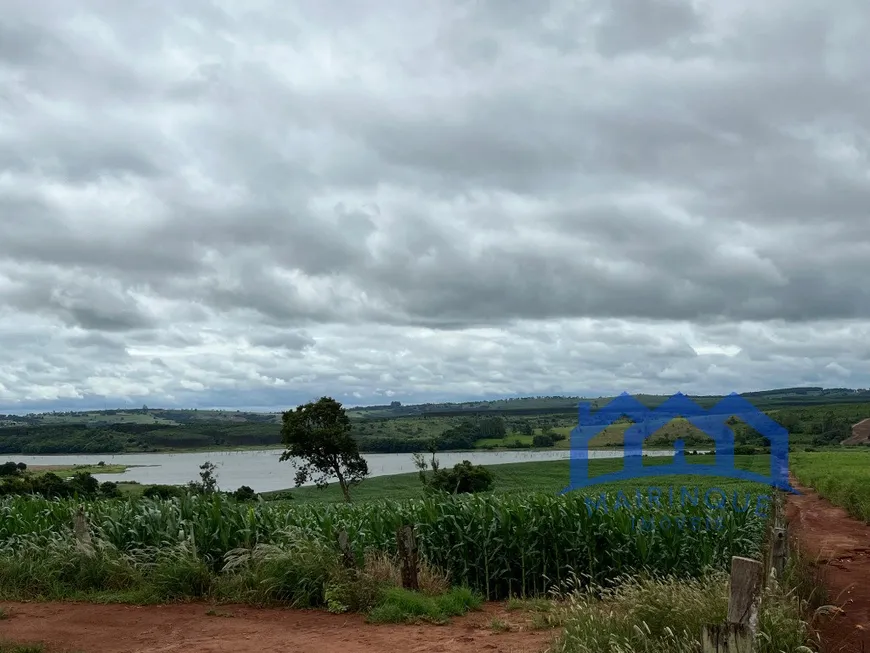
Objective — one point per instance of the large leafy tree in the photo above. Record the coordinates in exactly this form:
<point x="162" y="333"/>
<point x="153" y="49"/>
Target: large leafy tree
<point x="318" y="440"/>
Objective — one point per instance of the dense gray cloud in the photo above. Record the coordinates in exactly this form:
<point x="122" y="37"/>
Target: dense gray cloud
<point x="252" y="203"/>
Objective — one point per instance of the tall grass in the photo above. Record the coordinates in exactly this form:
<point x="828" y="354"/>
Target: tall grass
<point x="666" y="615"/>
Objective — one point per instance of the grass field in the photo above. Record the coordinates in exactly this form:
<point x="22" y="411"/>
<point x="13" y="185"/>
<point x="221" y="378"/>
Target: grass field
<point x="119" y="417"/>
<point x="549" y="476"/>
<point x="612" y="436"/>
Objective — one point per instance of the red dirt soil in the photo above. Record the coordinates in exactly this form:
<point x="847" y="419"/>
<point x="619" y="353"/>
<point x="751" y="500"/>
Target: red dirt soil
<point x="89" y="628"/>
<point x="840" y="546"/>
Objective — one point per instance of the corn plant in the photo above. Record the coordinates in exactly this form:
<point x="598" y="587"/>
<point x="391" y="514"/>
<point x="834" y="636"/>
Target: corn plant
<point x="498" y="545"/>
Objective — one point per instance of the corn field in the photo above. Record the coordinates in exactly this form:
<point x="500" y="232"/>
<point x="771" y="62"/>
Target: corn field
<point x="498" y="545"/>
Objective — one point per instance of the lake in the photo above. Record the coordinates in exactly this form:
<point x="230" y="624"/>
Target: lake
<point x="262" y="471"/>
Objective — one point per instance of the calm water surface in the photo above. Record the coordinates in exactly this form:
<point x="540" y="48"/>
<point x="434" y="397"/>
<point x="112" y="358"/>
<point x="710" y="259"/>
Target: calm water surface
<point x="261" y="470"/>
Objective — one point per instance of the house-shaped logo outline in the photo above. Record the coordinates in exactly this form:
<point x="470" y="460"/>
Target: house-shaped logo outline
<point x="712" y="422"/>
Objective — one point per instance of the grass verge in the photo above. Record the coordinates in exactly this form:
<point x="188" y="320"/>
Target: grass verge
<point x="302" y="572"/>
<point x="397" y="605"/>
<point x="666" y="615"/>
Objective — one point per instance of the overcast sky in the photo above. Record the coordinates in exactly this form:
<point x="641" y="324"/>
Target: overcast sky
<point x="246" y="203"/>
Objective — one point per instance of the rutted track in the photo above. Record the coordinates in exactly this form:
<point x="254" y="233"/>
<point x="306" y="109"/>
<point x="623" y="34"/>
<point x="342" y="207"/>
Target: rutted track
<point x="840" y="545"/>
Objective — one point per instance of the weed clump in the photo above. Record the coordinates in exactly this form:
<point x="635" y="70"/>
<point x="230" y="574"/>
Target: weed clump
<point x="667" y="615"/>
<point x="398" y="605"/>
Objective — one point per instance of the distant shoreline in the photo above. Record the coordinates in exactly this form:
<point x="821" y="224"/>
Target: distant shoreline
<point x="281" y="447"/>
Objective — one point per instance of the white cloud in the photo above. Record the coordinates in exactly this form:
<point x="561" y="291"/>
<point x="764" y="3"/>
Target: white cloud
<point x="250" y="204"/>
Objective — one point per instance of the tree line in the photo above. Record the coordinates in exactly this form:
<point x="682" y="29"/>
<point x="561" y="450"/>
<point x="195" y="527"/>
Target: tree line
<point x="819" y="425"/>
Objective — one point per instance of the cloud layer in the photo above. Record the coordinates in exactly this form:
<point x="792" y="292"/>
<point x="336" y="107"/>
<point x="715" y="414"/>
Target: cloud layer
<point x="255" y="203"/>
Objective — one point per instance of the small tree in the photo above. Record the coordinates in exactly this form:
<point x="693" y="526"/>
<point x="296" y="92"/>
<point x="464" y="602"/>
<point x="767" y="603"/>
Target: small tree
<point x="421" y="464"/>
<point x="318" y="436"/>
<point x="207" y="483"/>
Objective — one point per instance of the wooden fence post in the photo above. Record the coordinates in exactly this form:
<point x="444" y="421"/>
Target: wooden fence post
<point x="82" y="533"/>
<point x="80" y="527"/>
<point x="407" y="545"/>
<point x="737" y="634"/>
<point x="776" y="540"/>
<point x="779" y="544"/>
<point x="348" y="556"/>
<point x="779" y="552"/>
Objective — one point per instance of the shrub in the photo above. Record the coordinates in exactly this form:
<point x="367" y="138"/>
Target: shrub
<point x="543" y="440"/>
<point x="244" y="493"/>
<point x="9" y="469"/>
<point x="464" y="478"/>
<point x="163" y="492"/>
<point x="51" y="486"/>
<point x="109" y="489"/>
<point x="84" y="484"/>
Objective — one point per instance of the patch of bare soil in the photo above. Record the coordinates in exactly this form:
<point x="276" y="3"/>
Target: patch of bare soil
<point x="840" y="545"/>
<point x="199" y="628"/>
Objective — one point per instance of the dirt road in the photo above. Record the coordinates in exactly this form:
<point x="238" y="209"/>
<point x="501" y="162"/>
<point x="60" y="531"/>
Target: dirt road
<point x="841" y="546"/>
<point x="87" y="628"/>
